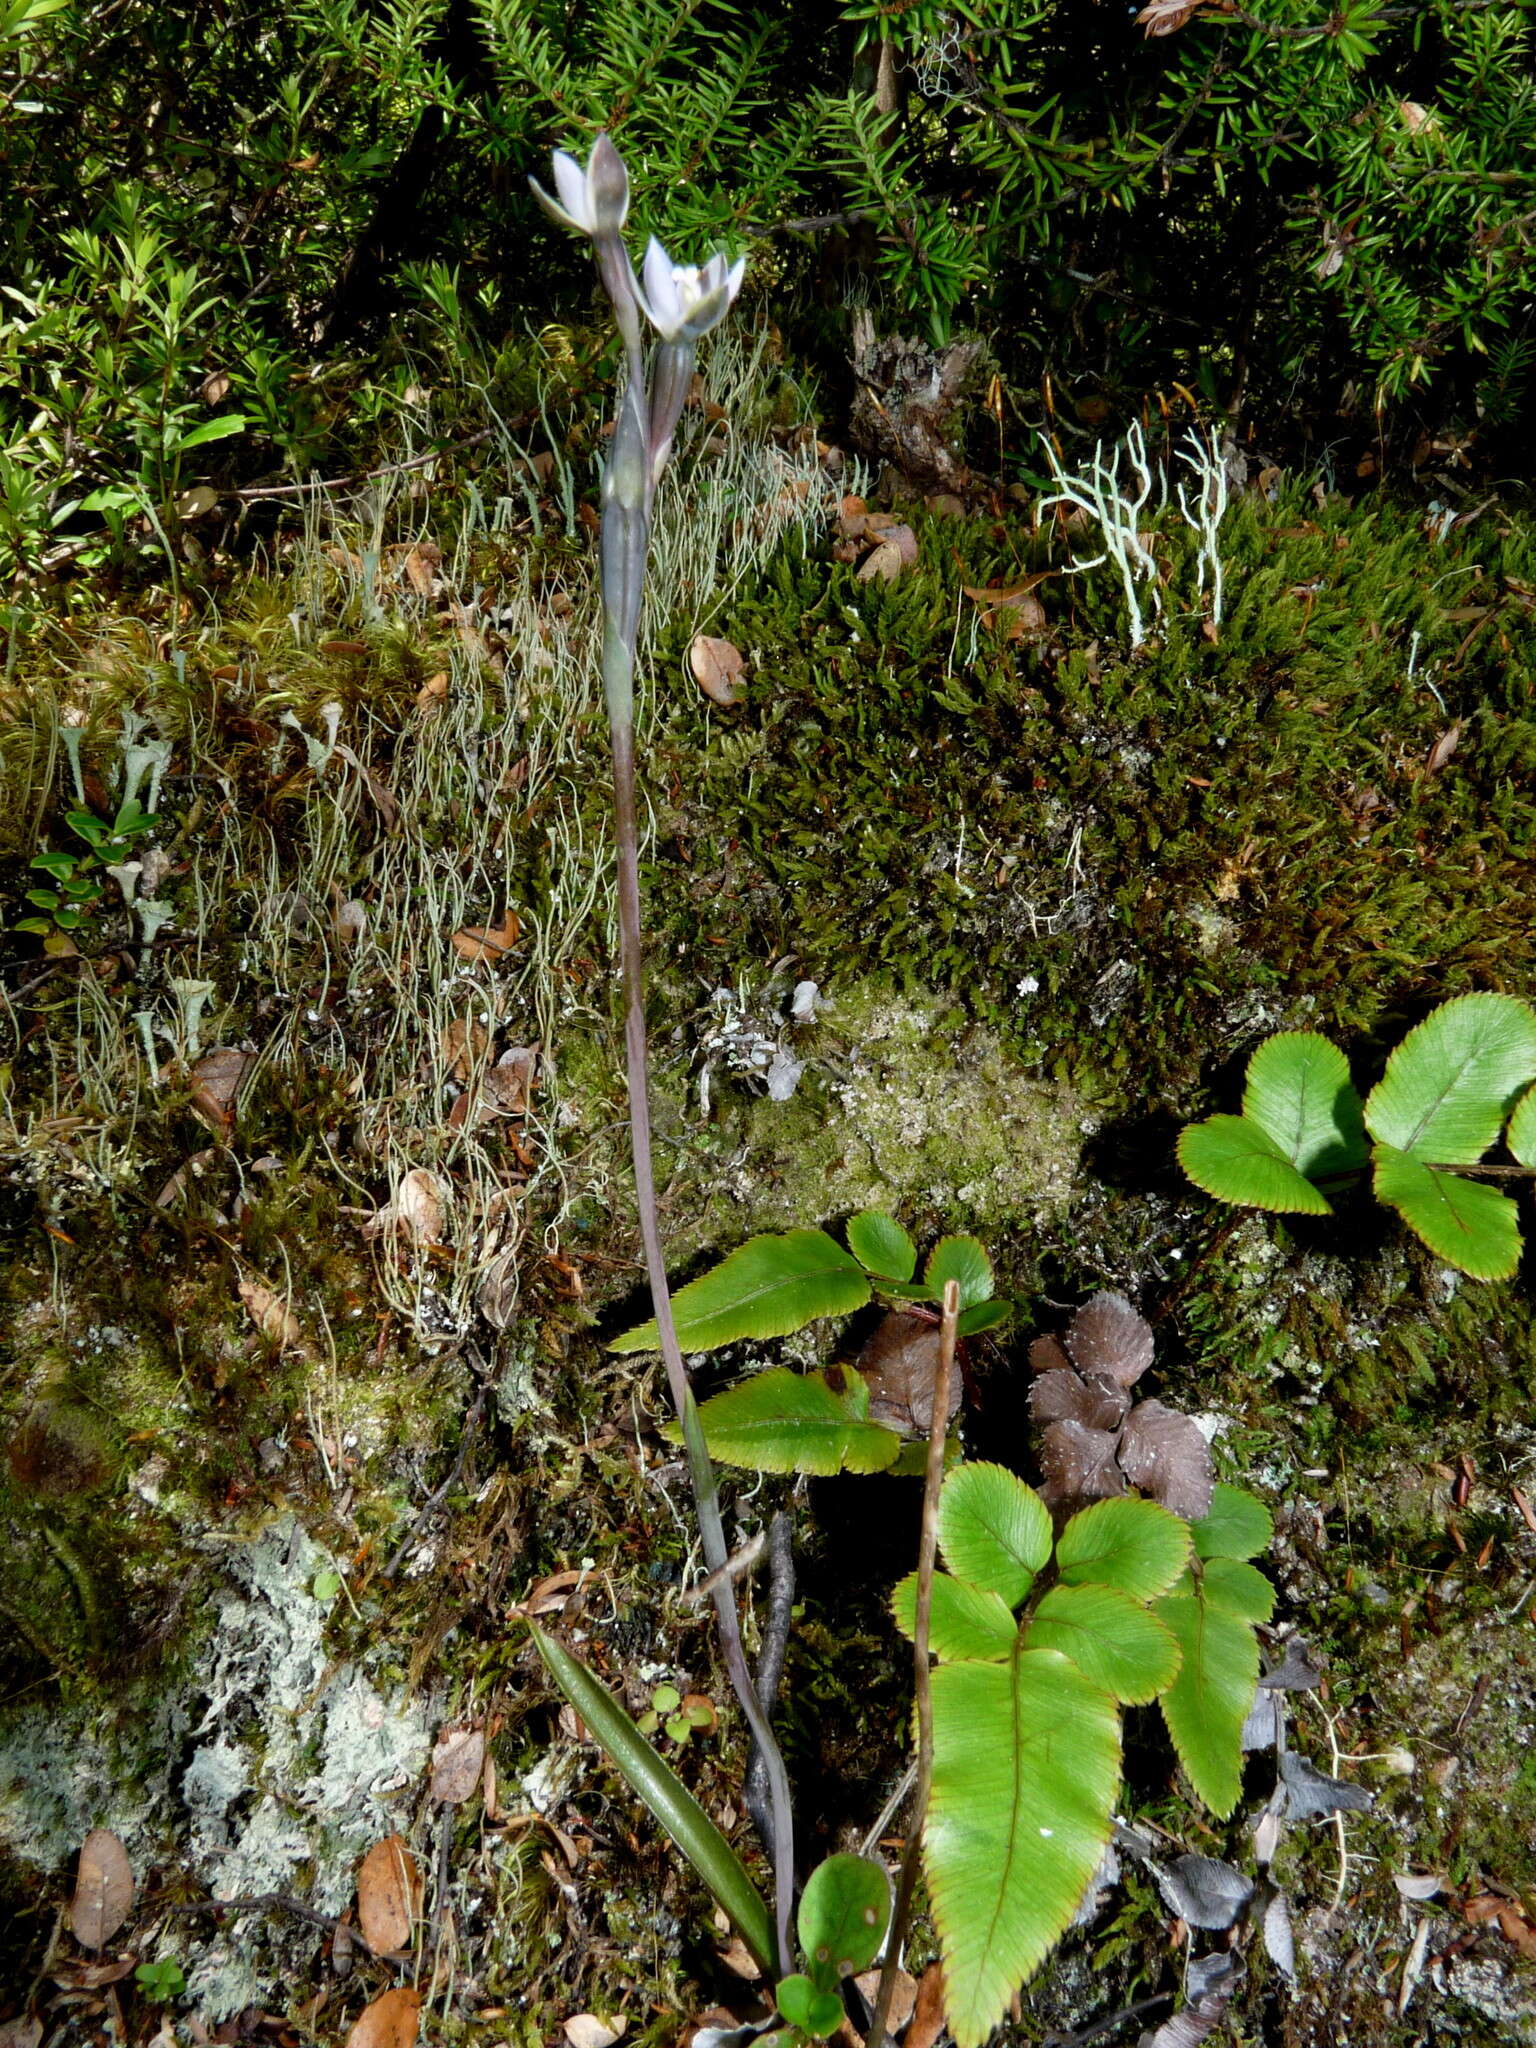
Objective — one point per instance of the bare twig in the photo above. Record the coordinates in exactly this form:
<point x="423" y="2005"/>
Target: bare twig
<point x="927" y="1552"/>
<point x="770" y="1667"/>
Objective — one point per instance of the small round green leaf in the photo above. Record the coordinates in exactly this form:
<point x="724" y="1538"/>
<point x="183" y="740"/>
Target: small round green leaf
<point x="1133" y="1545"/>
<point x="964" y="1260"/>
<point x="964" y="1621"/>
<point x="994" y="1531"/>
<point x="1111" y="1639"/>
<point x="881" y="1246"/>
<point x="803" y="2005"/>
<point x="844" y="1912"/>
<point x="1236" y="1526"/>
<point x="1235" y="1160"/>
<point x="1451" y="1083"/>
<point x="1468" y="1224"/>
<point x="666" y="1699"/>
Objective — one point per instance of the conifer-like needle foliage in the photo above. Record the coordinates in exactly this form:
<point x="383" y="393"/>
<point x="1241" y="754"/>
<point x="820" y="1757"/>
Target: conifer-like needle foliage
<point x="1448" y="1091"/>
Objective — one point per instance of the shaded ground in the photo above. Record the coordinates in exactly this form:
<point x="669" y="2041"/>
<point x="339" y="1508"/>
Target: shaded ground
<point x="304" y="1387"/>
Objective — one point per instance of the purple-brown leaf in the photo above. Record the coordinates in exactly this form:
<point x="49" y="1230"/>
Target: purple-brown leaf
<point x="1067" y="1397"/>
<point x="898" y="1365"/>
<point x="1079" y="1465"/>
<point x="1164" y="1454"/>
<point x="1046" y="1355"/>
<point x="1108" y="1336"/>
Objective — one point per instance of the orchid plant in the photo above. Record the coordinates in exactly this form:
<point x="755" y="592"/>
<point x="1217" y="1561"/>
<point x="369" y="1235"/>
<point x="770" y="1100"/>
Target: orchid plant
<point x="682" y="304"/>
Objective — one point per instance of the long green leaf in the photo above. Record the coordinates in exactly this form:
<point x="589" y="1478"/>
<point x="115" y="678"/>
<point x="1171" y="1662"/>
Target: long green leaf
<point x="1205" y="1707"/>
<point x="767" y="1287"/>
<point x="1112" y="1640"/>
<point x="994" y="1530"/>
<point x="964" y="1622"/>
<point x="1133" y="1545"/>
<point x="1026" y="1760"/>
<point x="1299" y="1093"/>
<point x="1235" y="1160"/>
<point x="668" y="1798"/>
<point x="1469" y="1225"/>
<point x="1453" y="1080"/>
<point x="783" y="1421"/>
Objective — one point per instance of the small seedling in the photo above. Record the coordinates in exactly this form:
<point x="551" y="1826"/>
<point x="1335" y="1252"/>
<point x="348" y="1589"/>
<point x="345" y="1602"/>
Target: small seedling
<point x="679" y="1717"/>
<point x="160" y="1981"/>
<point x="76" y="875"/>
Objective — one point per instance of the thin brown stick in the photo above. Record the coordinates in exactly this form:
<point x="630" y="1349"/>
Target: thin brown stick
<point x="927" y="1554"/>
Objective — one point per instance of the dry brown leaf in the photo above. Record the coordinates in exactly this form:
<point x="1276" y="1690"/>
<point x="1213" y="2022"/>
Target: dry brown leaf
<point x="389" y="1890"/>
<point x="586" y="2030"/>
<point x="883" y="562"/>
<point x="456" y="1764"/>
<point x="717" y="668"/>
<point x="421" y="567"/>
<point x="433" y="691"/>
<point x="21" y="2033"/>
<point x="215" y="387"/>
<point x="392" y="2021"/>
<point x="416" y="1207"/>
<point x="739" y="1960"/>
<point x="550" y="1595"/>
<point x="1164" y="17"/>
<point x="271" y="1314"/>
<point x="349" y="921"/>
<point x="103" y="1895"/>
<point x="491" y="942"/>
<point x="216" y="1083"/>
<point x="464" y="1044"/>
<point x="344" y="646"/>
<point x="928" y="2013"/>
<point x="903" y="1994"/>
<point x="1443" y="749"/>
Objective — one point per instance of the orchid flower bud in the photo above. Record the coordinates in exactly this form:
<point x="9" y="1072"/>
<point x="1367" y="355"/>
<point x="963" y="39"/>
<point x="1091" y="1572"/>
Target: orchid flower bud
<point x="682" y="303"/>
<point x="594" y="201"/>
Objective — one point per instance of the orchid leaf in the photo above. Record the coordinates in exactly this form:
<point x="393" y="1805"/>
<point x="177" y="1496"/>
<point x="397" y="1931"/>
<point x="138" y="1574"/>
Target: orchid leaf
<point x="844" y="1912"/>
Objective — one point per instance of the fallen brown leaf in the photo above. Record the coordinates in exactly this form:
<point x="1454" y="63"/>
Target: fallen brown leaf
<point x="271" y="1314"/>
<point x="464" y="1044"/>
<point x="456" y="1762"/>
<point x="416" y="1207"/>
<point x="903" y="1994"/>
<point x="717" y="668"/>
<point x="492" y="942"/>
<point x="928" y="2013"/>
<point x="392" y="2021"/>
<point x="103" y="1894"/>
<point x="1164" y="17"/>
<point x="883" y="562"/>
<point x="549" y="1595"/>
<point x="1443" y="749"/>
<point x="433" y="691"/>
<point x="389" y="1891"/>
<point x="216" y="1080"/>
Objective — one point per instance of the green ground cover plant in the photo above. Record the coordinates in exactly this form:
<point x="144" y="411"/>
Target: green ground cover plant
<point x="1458" y="1081"/>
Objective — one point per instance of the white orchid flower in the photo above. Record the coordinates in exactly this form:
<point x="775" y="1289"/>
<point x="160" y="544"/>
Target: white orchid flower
<point x="681" y="302"/>
<point x="594" y="201"/>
